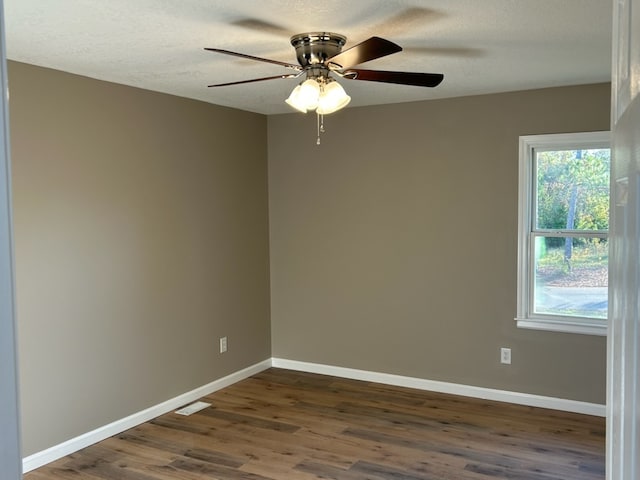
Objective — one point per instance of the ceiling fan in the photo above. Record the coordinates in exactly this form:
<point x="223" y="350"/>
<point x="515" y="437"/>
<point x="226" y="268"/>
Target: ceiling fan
<point x="319" y="56"/>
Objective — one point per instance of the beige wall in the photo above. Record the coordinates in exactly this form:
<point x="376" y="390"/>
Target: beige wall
<point x="394" y="243"/>
<point x="141" y="230"/>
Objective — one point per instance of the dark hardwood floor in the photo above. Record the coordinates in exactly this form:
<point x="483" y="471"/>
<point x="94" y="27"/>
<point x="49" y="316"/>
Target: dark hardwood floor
<point x="285" y="425"/>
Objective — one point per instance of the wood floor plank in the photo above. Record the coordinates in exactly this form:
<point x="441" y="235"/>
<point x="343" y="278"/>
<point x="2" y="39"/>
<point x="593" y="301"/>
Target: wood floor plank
<point x="285" y="425"/>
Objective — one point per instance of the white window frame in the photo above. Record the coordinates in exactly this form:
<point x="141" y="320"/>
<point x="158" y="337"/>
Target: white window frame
<point x="526" y="318"/>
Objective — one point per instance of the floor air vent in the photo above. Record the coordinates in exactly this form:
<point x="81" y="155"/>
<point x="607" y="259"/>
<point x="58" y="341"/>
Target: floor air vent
<point x="193" y="408"/>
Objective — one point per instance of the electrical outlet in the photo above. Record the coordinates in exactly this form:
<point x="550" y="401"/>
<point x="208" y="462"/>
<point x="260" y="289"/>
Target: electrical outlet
<point x="505" y="356"/>
<point x="223" y="344"/>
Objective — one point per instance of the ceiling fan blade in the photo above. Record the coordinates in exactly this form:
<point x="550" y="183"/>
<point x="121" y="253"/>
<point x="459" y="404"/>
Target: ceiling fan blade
<point x="464" y="52"/>
<point x="411" y="18"/>
<point x="290" y="75"/>
<point x="259" y="59"/>
<point x="262" y="26"/>
<point x="374" y="47"/>
<point x="401" y="78"/>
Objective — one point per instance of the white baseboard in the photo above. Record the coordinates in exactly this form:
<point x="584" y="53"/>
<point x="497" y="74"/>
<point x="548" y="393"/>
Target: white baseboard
<point x="73" y="445"/>
<point x="446" y="387"/>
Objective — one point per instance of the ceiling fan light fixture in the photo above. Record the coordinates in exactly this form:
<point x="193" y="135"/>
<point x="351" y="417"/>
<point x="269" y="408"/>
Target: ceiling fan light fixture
<point x="325" y="96"/>
<point x="332" y="98"/>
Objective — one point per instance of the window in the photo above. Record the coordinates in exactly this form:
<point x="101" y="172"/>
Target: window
<point x="563" y="231"/>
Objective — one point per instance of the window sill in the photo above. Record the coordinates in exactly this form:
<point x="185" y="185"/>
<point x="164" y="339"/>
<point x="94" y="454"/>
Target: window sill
<point x="564" y="326"/>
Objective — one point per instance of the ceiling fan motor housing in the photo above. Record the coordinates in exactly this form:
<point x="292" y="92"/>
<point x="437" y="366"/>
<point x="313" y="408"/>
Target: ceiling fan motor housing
<point x="316" y="47"/>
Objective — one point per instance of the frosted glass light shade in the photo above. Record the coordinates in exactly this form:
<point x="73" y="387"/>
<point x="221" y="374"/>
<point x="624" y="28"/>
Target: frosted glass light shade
<point x="309" y="94"/>
<point x="295" y="102"/>
<point x="332" y="98"/>
<point x="325" y="99"/>
<point x="305" y="96"/>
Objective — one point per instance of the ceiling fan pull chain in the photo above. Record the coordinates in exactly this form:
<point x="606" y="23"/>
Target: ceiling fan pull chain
<point x="320" y="123"/>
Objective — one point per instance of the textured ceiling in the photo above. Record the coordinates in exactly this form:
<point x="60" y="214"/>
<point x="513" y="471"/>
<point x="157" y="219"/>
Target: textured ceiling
<point x="481" y="46"/>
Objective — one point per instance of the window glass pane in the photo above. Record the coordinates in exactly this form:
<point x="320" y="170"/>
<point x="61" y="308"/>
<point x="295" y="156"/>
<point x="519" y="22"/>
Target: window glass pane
<point x="571" y="276"/>
<point x="572" y="189"/>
